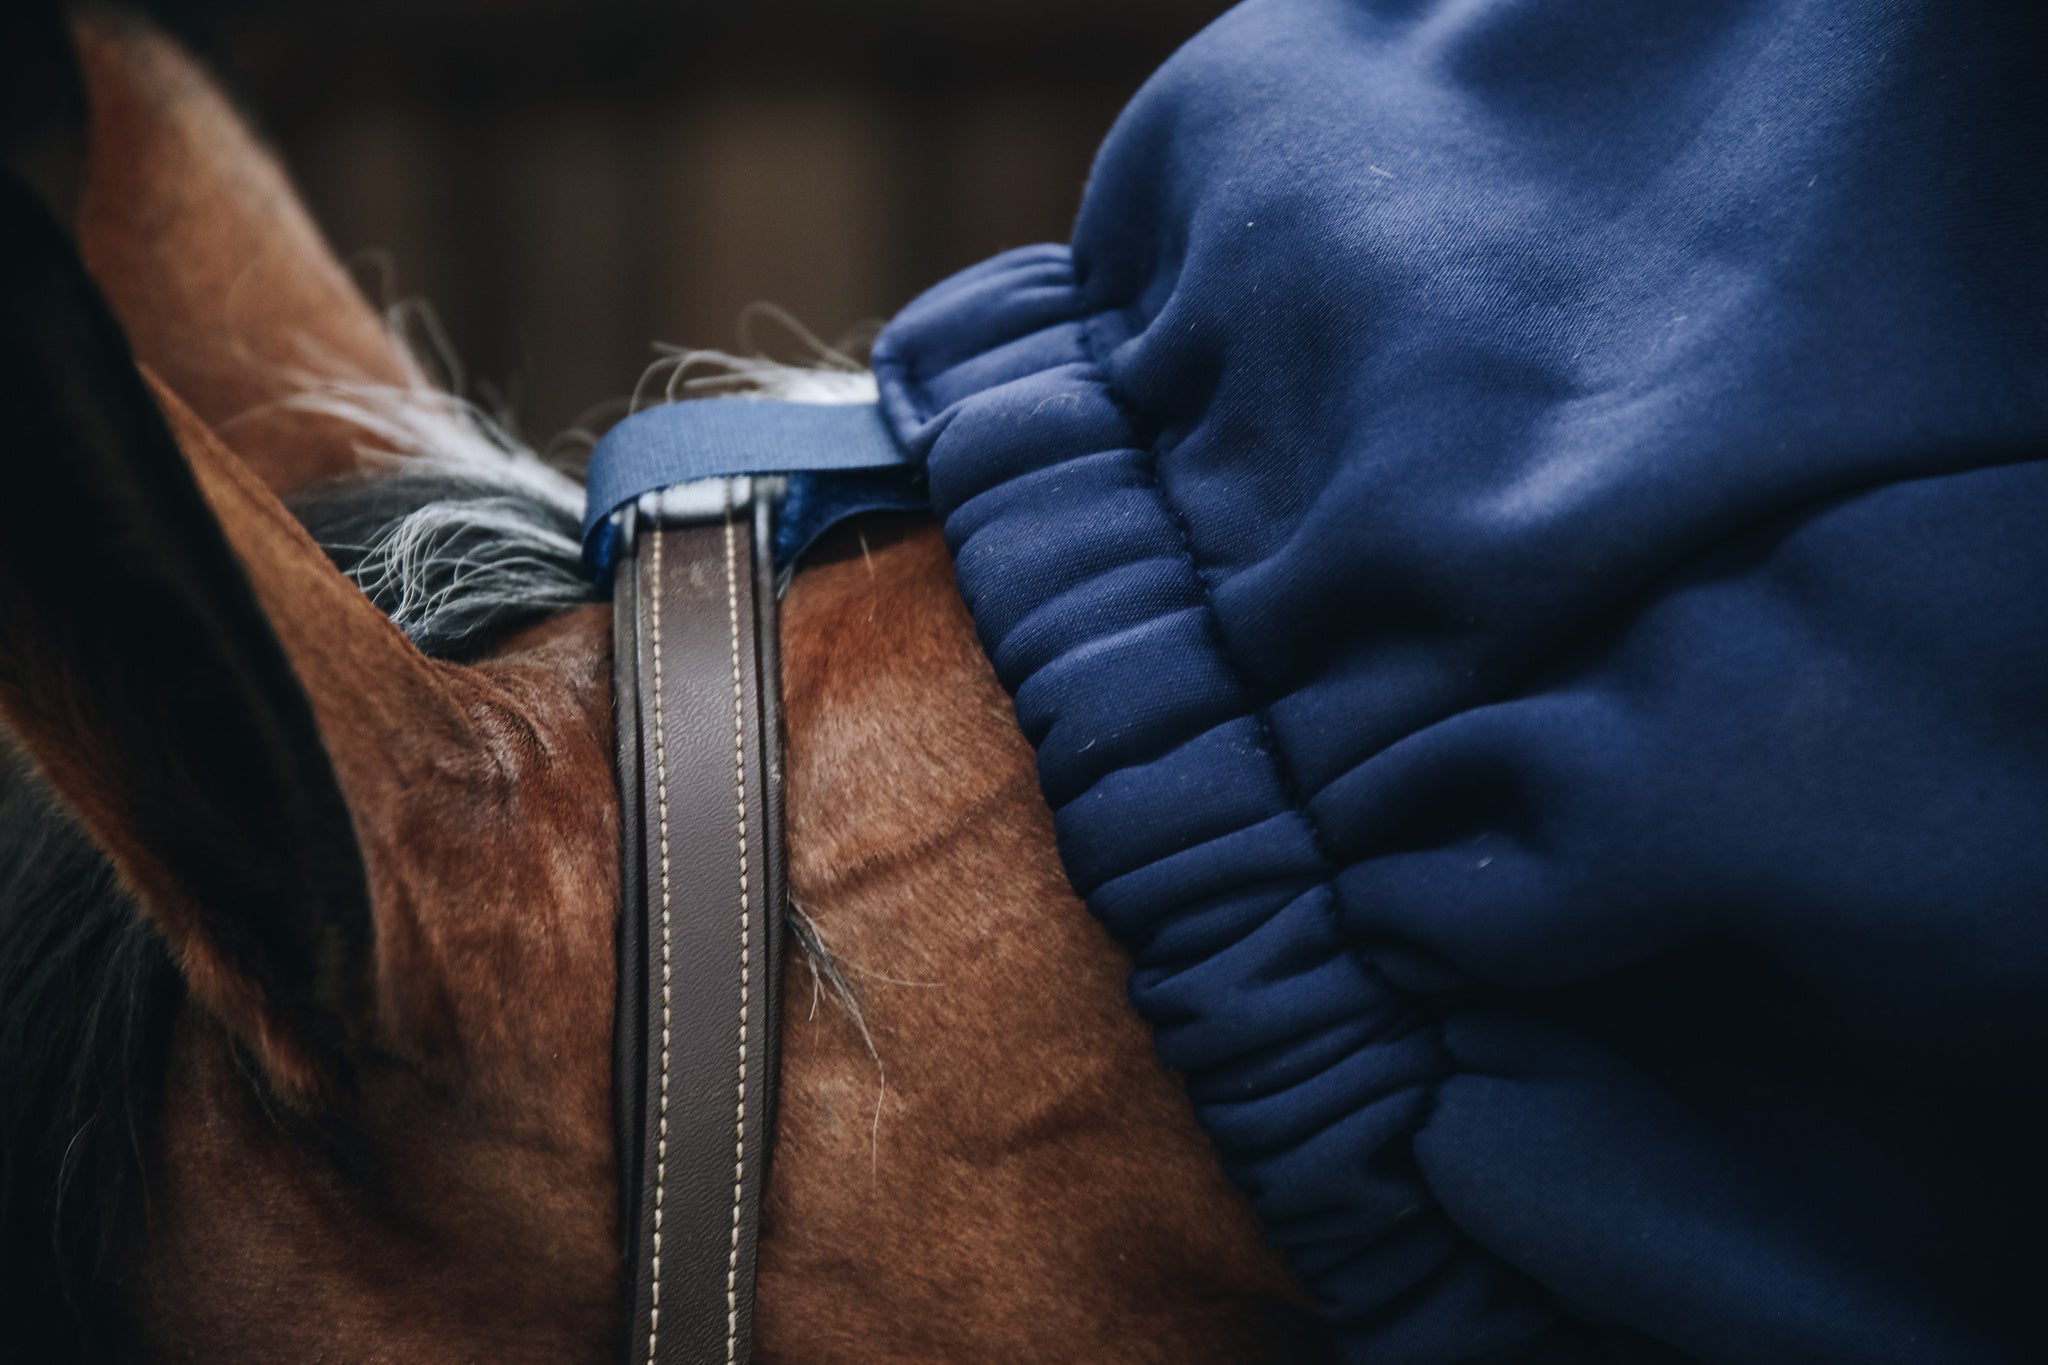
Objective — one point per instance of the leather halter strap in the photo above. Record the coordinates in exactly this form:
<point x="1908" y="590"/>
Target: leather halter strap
<point x="700" y="933"/>
<point x="689" y="540"/>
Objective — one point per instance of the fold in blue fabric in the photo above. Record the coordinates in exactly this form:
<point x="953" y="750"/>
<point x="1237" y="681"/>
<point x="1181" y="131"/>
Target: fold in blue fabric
<point x="1519" y="533"/>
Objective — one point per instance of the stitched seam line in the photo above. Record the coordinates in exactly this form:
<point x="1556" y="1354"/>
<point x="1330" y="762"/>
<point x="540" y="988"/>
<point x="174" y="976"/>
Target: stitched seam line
<point x="739" y="782"/>
<point x="661" y="802"/>
<point x="1148" y="435"/>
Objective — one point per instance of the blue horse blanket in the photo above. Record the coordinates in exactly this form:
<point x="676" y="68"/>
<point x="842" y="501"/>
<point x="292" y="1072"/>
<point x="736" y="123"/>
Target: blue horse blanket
<point x="1519" y="531"/>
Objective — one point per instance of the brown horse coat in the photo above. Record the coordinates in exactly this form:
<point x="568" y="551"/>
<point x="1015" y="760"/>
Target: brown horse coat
<point x="390" y="882"/>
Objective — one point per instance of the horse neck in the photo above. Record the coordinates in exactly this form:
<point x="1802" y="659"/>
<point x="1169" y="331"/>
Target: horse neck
<point x="989" y="1162"/>
<point x="978" y="1156"/>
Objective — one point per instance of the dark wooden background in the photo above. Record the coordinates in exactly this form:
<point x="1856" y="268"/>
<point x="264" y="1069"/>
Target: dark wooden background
<point x="567" y="183"/>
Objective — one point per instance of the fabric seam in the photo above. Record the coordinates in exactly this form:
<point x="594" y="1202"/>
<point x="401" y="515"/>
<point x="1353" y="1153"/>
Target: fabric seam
<point x="1146" y="437"/>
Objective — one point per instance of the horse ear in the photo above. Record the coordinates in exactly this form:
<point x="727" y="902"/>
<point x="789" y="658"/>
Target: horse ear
<point x="221" y="281"/>
<point x="178" y="659"/>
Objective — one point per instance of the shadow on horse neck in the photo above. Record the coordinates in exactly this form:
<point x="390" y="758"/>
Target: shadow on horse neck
<point x="985" y="1161"/>
<point x="307" y="921"/>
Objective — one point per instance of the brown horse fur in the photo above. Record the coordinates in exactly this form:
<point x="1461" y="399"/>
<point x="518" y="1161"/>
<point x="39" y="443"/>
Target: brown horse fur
<point x="1029" y="1184"/>
<point x="211" y="262"/>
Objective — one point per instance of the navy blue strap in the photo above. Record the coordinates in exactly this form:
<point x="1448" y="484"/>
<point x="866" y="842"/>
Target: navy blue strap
<point x="720" y="437"/>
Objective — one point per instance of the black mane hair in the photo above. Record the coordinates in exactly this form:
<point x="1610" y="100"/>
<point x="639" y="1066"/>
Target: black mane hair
<point x="88" y="991"/>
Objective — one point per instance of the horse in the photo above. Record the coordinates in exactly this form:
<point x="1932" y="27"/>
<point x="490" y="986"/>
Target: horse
<point x="309" y="863"/>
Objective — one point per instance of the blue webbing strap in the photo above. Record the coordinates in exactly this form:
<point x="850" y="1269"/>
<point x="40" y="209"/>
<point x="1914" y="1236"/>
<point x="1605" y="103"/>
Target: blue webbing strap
<point x="720" y="437"/>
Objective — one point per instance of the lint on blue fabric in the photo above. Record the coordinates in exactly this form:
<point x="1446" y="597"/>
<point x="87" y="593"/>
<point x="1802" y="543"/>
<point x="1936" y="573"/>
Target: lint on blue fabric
<point x="1519" y="533"/>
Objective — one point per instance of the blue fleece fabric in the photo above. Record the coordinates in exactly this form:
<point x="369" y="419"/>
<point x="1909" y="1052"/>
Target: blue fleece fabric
<point x="1519" y="532"/>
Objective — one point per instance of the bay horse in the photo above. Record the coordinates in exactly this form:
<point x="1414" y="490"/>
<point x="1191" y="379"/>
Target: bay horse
<point x="308" y="880"/>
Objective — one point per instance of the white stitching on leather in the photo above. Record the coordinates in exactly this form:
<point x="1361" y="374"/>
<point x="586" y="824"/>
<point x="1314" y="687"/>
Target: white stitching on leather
<point x="739" y="780"/>
<point x="661" y="800"/>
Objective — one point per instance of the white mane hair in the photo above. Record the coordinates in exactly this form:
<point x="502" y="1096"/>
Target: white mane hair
<point x="462" y="530"/>
<point x="501" y="533"/>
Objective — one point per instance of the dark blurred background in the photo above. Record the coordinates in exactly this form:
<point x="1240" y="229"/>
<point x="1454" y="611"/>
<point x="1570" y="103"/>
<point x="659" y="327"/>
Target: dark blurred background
<point x="569" y="181"/>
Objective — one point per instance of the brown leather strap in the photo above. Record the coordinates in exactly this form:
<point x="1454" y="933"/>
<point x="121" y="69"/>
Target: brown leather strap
<point x="700" y="931"/>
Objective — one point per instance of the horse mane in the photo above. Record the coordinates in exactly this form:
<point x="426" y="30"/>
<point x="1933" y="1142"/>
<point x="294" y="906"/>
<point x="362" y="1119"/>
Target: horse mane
<point x="458" y="548"/>
<point x="461" y="535"/>
<point x="87" y="996"/>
